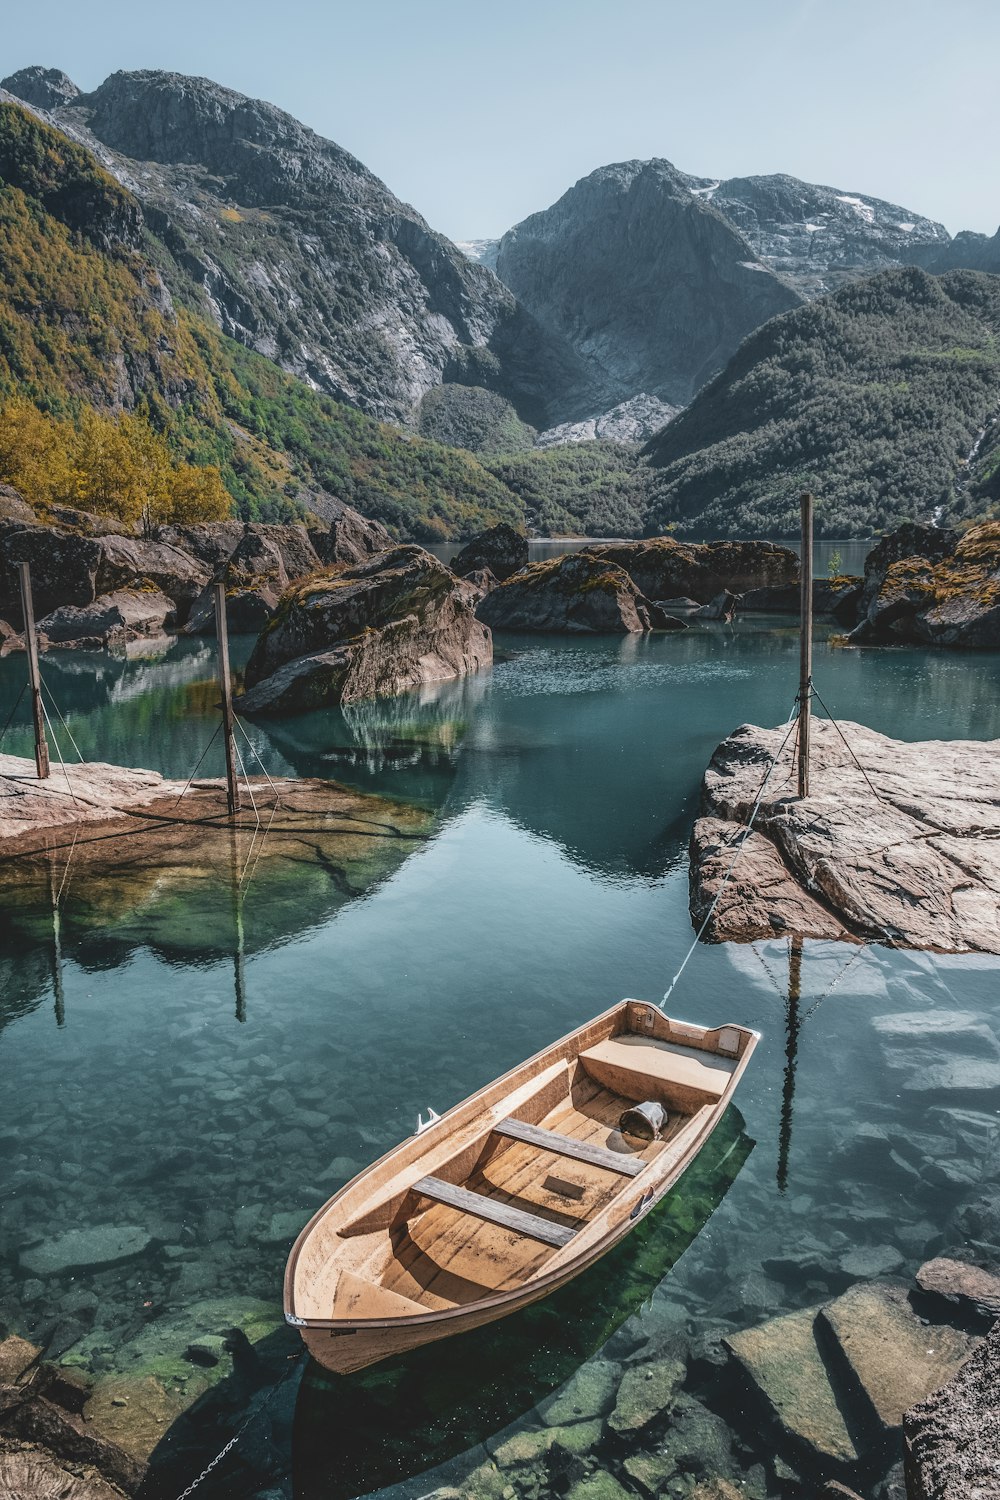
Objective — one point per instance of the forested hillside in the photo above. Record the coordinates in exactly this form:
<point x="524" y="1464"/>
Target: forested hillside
<point x="880" y="399"/>
<point x="87" y="322"/>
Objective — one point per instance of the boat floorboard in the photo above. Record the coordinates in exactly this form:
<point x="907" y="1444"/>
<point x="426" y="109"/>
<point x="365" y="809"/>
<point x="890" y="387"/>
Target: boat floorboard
<point x="444" y="1258"/>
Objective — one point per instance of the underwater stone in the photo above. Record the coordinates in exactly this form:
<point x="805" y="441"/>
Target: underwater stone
<point x="16" y="1356"/>
<point x="868" y="1261"/>
<point x="647" y="1391"/>
<point x="597" y="1487"/>
<point x="650" y="1471"/>
<point x="86" y="1249"/>
<point x="783" y="1362"/>
<point x="589" y="1394"/>
<point x="887" y="1356"/>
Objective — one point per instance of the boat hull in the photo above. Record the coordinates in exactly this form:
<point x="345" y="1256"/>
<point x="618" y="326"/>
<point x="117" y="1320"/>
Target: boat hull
<point x="602" y="1064"/>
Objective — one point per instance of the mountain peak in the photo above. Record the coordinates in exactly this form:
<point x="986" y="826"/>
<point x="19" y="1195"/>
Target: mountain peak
<point x="43" y="88"/>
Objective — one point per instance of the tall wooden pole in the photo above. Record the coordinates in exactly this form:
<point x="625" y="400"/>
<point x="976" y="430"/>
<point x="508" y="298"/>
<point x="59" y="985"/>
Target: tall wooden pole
<point x="805" y="640"/>
<point x="34" y="674"/>
<point x="232" y="784"/>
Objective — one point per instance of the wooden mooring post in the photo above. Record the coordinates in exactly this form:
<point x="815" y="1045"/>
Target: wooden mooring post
<point x="34" y="672"/>
<point x="232" y="782"/>
<point x="805" y="639"/>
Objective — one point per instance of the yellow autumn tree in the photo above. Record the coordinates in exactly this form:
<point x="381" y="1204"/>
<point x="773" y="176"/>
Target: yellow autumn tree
<point x="36" y="454"/>
<point x="196" y="494"/>
<point x="115" y="465"/>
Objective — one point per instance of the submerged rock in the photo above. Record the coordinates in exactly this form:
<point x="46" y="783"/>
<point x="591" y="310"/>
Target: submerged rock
<point x="501" y="550"/>
<point x="647" y="1392"/>
<point x="906" y="850"/>
<point x="952" y="1439"/>
<point x="886" y="1355"/>
<point x="380" y="627"/>
<point x="84" y="1249"/>
<point x="782" y="1361"/>
<point x="576" y="594"/>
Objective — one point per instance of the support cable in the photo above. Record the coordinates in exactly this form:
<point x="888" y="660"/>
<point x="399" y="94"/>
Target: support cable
<point x="215" y="735"/>
<point x="833" y="721"/>
<point x="65" y="768"/>
<point x="10" y="716"/>
<point x="55" y="705"/>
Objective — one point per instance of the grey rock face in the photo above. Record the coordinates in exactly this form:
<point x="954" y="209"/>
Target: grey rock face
<point x="916" y="866"/>
<point x="294" y="248"/>
<point x="815" y="237"/>
<point x="575" y="594"/>
<point x="646" y="282"/>
<point x="111" y="621"/>
<point x="664" y="569"/>
<point x="45" y="88"/>
<point x="632" y="421"/>
<point x="502" y="550"/>
<point x="391" y="623"/>
<point x="952" y="1439"/>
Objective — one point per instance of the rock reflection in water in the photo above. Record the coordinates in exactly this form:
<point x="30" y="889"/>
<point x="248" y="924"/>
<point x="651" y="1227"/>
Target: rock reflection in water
<point x="358" y="1433"/>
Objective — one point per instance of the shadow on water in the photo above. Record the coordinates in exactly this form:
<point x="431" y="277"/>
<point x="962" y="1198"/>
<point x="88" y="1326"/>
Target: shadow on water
<point x="356" y="1434"/>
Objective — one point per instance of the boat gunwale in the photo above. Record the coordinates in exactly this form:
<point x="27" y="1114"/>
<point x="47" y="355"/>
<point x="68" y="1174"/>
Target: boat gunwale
<point x="536" y="1286"/>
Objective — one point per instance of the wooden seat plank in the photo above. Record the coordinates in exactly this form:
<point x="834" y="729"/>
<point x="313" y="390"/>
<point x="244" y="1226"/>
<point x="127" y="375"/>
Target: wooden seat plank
<point x="514" y="1219"/>
<point x="565" y="1145"/>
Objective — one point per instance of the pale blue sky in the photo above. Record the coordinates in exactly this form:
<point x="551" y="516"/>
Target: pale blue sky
<point x="480" y="113"/>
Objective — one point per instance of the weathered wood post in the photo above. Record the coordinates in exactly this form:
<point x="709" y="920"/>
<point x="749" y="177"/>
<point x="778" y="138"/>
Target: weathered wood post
<point x="232" y="783"/>
<point x="34" y="673"/>
<point x="792" y="1023"/>
<point x="805" y="639"/>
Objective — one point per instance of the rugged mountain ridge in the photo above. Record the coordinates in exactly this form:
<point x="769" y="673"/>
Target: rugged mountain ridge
<point x="293" y="248"/>
<point x="648" y="283"/>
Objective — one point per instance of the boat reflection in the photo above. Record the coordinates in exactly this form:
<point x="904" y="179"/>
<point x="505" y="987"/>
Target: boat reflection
<point x="356" y="1434"/>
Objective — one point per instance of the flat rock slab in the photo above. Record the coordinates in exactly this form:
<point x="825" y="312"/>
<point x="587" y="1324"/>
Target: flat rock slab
<point x="952" y="1439"/>
<point x="85" y="1249"/>
<point x="903" y="848"/>
<point x="970" y="1287"/>
<point x="886" y="1356"/>
<point x="782" y="1360"/>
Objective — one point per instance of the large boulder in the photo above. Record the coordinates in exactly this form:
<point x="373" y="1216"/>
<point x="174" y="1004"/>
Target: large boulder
<point x="345" y="536"/>
<point x="256" y="572"/>
<point x="502" y="550"/>
<point x="576" y="593"/>
<point x="940" y="588"/>
<point x="63" y="568"/>
<point x="952" y="1439"/>
<point x="111" y="621"/>
<point x="662" y="568"/>
<point x="127" y="562"/>
<point x="372" y="630"/>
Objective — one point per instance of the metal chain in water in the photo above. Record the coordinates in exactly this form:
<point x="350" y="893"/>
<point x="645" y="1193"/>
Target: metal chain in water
<point x="241" y="1430"/>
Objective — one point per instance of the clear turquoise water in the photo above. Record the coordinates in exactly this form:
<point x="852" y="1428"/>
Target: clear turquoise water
<point x="556" y="882"/>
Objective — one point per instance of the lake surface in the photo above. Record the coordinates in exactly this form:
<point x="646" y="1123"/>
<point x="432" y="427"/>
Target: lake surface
<point x="138" y="1090"/>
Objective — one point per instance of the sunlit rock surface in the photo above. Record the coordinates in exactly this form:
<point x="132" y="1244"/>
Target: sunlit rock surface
<point x="896" y="842"/>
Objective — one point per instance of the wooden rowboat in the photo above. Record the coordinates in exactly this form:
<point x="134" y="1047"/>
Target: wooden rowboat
<point x="513" y="1192"/>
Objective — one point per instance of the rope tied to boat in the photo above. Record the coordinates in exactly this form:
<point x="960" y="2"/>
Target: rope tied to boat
<point x="791" y="722"/>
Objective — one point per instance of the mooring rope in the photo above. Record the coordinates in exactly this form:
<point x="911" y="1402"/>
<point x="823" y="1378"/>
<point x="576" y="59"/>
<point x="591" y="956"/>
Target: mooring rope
<point x="215" y="735"/>
<point x="791" y="722"/>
